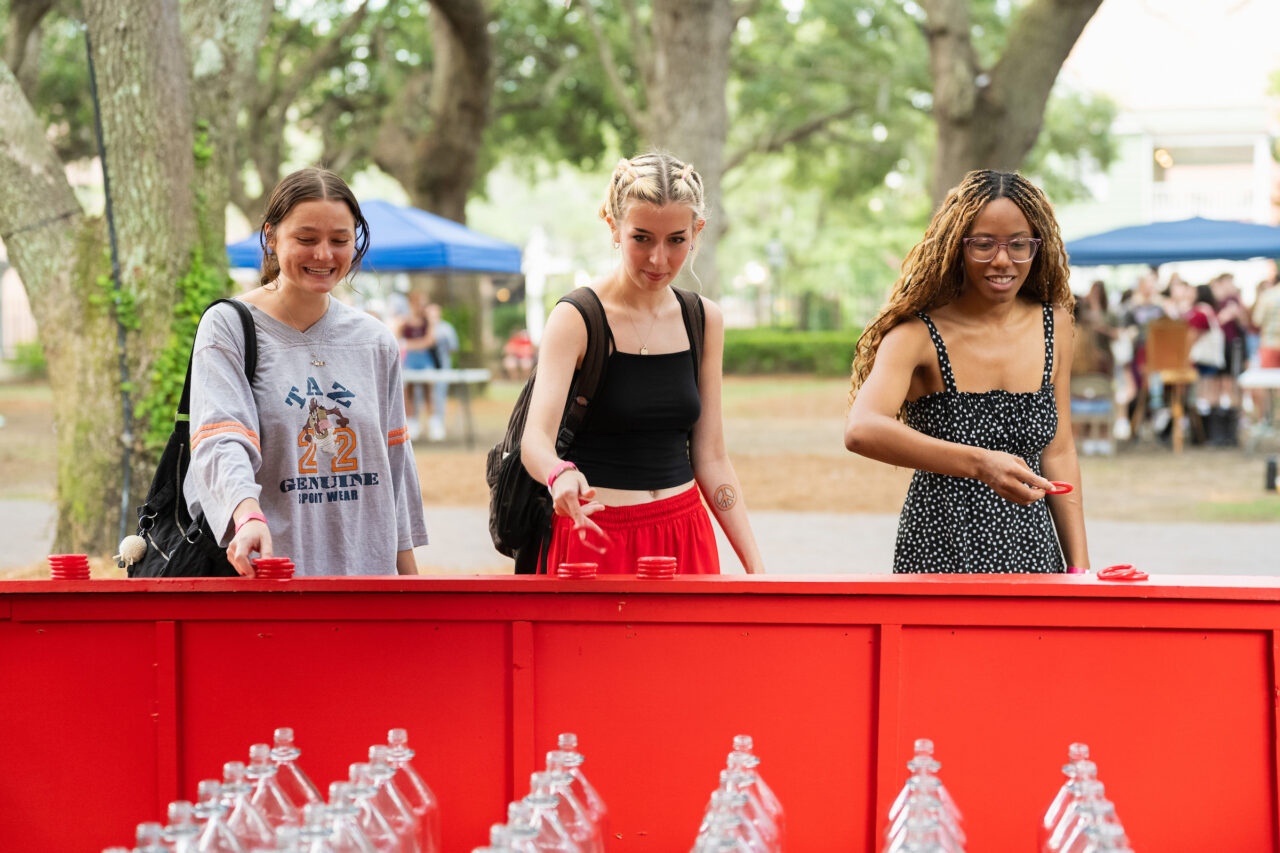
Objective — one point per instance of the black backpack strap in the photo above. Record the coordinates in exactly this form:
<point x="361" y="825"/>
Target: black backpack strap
<point x="590" y="376"/>
<point x="250" y="353"/>
<point x="695" y="324"/>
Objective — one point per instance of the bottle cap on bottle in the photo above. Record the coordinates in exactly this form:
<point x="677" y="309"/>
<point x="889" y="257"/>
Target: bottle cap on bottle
<point x="567" y="741"/>
<point x="398" y="740"/>
<point x="284" y="749"/>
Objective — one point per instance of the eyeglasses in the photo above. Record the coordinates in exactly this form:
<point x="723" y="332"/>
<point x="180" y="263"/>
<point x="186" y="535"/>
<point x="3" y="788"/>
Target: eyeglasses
<point x="983" y="249"/>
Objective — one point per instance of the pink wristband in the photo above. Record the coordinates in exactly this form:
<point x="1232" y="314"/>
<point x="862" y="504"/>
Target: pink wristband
<point x="1076" y="570"/>
<point x="557" y="471"/>
<point x="253" y="516"/>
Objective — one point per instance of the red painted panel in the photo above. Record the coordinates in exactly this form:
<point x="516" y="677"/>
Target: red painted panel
<point x="1179" y="723"/>
<point x="77" y="734"/>
<point x="342" y="685"/>
<point x="656" y="707"/>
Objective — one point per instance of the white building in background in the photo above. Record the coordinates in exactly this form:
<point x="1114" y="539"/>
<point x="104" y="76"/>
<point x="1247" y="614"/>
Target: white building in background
<point x="1212" y="162"/>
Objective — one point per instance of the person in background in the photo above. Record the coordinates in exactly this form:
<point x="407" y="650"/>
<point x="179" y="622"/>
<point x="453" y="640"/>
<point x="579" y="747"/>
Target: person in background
<point x="519" y="355"/>
<point x="965" y="376"/>
<point x="1144" y="306"/>
<point x="653" y="437"/>
<point x="311" y="460"/>
<point x="446" y="344"/>
<point x="1233" y="317"/>
<point x="418" y="341"/>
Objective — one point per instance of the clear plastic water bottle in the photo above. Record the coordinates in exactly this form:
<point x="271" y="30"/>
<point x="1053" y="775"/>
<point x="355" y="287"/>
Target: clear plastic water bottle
<point x="1091" y="790"/>
<point x="927" y="811"/>
<point x="181" y="832"/>
<point x="291" y="778"/>
<point x="1089" y="813"/>
<point x="369" y="817"/>
<point x="422" y="801"/>
<point x="1105" y="838"/>
<point x="567" y="743"/>
<point x="316" y="833"/>
<point x="725" y="810"/>
<point x="924" y="764"/>
<point x="720" y="838"/>
<point x="922" y="835"/>
<point x="248" y="824"/>
<point x="553" y="836"/>
<point x="522" y="830"/>
<point x="267" y="795"/>
<point x="391" y="800"/>
<point x="1077" y="770"/>
<point x="211" y="814"/>
<point x="743" y="758"/>
<point x="150" y="838"/>
<point x="288" y="840"/>
<point x="344" y="819"/>
<point x="923" y="799"/>
<point x="582" y="828"/>
<point x="735" y="781"/>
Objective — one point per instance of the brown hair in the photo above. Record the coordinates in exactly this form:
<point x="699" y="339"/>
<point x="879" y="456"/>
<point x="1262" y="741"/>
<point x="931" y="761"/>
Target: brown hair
<point x="933" y="272"/>
<point x="310" y="184"/>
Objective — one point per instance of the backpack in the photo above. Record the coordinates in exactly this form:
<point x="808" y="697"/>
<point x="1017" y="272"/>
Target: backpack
<point x="179" y="546"/>
<point x="520" y="508"/>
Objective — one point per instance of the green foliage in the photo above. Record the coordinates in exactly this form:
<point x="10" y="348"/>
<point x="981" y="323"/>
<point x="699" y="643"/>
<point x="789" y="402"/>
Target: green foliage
<point x="462" y="318"/>
<point x="202" y="283"/>
<point x="29" y="362"/>
<point x="1075" y="138"/>
<point x="508" y="317"/>
<point x="749" y="351"/>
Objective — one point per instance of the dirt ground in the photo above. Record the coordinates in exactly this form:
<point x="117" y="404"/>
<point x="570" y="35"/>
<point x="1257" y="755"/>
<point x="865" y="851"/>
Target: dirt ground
<point x="784" y="436"/>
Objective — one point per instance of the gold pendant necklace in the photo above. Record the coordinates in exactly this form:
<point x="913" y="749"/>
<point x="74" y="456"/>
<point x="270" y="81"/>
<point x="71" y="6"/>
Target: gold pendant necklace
<point x="316" y="361"/>
<point x="644" y="346"/>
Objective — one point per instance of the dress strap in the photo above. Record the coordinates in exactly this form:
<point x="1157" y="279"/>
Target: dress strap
<point x="1048" y="343"/>
<point x="944" y="361"/>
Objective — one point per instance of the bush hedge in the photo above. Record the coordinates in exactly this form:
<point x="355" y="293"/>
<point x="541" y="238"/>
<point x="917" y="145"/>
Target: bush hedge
<point x="789" y="351"/>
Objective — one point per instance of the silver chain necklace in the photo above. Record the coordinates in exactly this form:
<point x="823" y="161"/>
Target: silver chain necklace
<point x="316" y="360"/>
<point x="644" y="346"/>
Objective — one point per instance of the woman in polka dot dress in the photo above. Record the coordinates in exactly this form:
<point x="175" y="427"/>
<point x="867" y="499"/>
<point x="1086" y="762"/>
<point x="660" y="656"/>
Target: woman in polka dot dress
<point x="962" y="377"/>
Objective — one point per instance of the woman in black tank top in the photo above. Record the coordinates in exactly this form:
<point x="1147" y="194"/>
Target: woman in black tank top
<point x="963" y="378"/>
<point x="652" y="438"/>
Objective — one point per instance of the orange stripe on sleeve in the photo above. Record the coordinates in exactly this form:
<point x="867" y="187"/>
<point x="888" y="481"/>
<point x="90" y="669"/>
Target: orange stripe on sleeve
<point x="397" y="436"/>
<point x="211" y="430"/>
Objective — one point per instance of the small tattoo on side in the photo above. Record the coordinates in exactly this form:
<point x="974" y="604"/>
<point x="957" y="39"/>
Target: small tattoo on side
<point x="726" y="497"/>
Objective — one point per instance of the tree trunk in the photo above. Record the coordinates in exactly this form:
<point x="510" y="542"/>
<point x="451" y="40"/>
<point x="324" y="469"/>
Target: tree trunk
<point x="159" y="202"/>
<point x="688" y="110"/>
<point x="438" y="167"/>
<point x="990" y="119"/>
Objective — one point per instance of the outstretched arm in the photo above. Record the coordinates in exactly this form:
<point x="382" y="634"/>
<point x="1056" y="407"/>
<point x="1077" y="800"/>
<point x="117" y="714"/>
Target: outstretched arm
<point x="873" y="429"/>
<point x="564" y="343"/>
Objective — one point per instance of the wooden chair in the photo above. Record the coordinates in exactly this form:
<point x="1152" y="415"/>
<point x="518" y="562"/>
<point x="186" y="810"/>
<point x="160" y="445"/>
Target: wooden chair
<point x="1168" y="356"/>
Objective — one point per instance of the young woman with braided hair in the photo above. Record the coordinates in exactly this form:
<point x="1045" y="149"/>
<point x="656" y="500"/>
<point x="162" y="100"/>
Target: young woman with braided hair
<point x="962" y="377"/>
<point x="652" y="437"/>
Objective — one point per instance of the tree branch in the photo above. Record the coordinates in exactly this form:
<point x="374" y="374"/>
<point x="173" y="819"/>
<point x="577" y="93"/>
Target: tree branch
<point x="777" y="141"/>
<point x="629" y="105"/>
<point x="323" y="57"/>
<point x="23" y="36"/>
<point x="745" y="9"/>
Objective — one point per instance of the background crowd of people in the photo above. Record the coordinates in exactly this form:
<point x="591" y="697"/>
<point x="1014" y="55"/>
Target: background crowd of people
<point x="1227" y="336"/>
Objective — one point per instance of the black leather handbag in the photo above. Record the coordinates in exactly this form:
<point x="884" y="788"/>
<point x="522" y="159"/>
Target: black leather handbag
<point x="179" y="546"/>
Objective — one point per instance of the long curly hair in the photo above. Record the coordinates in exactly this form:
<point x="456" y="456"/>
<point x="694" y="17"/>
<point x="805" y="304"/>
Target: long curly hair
<point x="933" y="272"/>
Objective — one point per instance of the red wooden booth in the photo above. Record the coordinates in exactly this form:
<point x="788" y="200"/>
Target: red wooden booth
<point x="118" y="696"/>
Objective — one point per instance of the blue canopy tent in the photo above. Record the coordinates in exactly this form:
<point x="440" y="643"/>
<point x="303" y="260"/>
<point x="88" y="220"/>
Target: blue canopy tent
<point x="406" y="239"/>
<point x="1193" y="239"/>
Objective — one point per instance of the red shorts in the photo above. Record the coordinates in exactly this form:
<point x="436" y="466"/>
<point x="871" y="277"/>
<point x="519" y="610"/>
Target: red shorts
<point x="1268" y="357"/>
<point x="672" y="527"/>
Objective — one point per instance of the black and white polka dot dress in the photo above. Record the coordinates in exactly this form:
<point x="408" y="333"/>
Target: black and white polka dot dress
<point x="958" y="524"/>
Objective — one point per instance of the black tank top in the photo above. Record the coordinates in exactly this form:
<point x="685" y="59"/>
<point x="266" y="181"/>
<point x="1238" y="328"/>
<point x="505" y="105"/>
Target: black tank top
<point x="637" y="431"/>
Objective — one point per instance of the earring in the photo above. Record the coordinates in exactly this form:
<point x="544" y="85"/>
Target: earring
<point x="617" y="245"/>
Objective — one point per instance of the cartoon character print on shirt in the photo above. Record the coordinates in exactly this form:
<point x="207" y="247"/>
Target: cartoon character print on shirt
<point x="323" y="427"/>
<point x="328" y="461"/>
